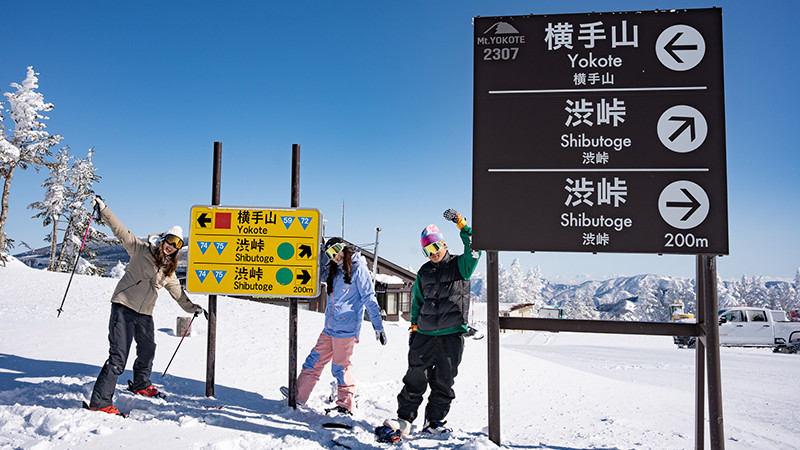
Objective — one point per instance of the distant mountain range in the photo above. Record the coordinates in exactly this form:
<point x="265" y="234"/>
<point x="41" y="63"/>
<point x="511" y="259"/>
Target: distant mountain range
<point x="635" y="298"/>
<point x="108" y="256"/>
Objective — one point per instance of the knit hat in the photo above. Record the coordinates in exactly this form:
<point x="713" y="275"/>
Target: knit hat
<point x="175" y="231"/>
<point x="430" y="235"/>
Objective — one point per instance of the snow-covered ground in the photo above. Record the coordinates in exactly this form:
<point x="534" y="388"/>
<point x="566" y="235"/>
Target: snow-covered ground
<point x="558" y="391"/>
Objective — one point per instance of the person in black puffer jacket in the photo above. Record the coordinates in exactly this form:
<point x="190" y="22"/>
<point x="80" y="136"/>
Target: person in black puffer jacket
<point x="438" y="322"/>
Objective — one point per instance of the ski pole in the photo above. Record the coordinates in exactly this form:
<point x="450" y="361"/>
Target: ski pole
<point x="77" y="259"/>
<point x="179" y="345"/>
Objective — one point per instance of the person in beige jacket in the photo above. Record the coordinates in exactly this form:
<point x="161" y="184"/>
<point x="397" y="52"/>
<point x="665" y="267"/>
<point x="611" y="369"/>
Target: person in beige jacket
<point x="151" y="267"/>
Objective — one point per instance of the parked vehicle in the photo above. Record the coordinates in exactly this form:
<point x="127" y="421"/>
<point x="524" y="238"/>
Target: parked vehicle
<point x="752" y="327"/>
<point x="794" y="315"/>
<point x="677" y="312"/>
<point x="552" y="312"/>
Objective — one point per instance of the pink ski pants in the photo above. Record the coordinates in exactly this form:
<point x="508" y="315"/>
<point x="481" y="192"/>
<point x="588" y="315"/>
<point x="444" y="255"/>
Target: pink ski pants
<point x="339" y="351"/>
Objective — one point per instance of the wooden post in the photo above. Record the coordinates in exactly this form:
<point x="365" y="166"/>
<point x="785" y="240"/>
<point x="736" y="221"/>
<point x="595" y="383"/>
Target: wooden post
<point x="183" y="326"/>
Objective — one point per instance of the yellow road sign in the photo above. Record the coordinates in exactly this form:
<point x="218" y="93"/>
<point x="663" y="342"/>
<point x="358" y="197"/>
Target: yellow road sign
<point x="254" y="251"/>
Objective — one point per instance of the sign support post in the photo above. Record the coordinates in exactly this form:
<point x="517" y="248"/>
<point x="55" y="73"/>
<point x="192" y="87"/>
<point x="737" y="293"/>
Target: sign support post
<point x="700" y="359"/>
<point x="293" y="301"/>
<point x="493" y="342"/>
<point x="211" y="349"/>
<point x="707" y="271"/>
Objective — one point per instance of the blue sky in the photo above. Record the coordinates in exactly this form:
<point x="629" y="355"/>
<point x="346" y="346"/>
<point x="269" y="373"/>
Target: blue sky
<point x="379" y="96"/>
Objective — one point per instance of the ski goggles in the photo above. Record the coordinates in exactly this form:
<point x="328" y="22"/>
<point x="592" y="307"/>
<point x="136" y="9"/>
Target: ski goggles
<point x="174" y="241"/>
<point x="334" y="250"/>
<point x="432" y="248"/>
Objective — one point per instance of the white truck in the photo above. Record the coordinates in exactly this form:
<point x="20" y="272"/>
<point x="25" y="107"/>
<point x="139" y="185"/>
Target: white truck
<point x="753" y="327"/>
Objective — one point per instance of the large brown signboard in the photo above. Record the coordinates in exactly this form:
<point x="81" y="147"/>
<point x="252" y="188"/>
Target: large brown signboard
<point x="600" y="132"/>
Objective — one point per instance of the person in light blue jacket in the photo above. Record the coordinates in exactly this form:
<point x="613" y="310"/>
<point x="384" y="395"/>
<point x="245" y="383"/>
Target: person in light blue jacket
<point x="350" y="290"/>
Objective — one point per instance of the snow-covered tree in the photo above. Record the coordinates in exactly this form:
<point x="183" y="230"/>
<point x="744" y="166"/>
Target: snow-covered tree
<point x="8" y="152"/>
<point x="512" y="285"/>
<point x="79" y="232"/>
<point x="55" y="201"/>
<point x="752" y="292"/>
<point x="117" y="271"/>
<point x="30" y="142"/>
<point x="534" y="285"/>
<point x="726" y="295"/>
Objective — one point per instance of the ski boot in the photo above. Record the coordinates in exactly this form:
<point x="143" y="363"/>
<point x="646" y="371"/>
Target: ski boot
<point x="110" y="409"/>
<point x="387" y="435"/>
<point x="150" y="391"/>
<point x="436" y="427"/>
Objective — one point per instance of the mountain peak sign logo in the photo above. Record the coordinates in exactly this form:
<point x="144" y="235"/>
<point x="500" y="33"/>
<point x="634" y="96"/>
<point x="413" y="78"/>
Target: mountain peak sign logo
<point x="502" y="28"/>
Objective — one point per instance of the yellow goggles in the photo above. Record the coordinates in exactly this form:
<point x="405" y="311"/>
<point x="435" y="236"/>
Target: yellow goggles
<point x="334" y="250"/>
<point x="432" y="248"/>
<point x="174" y="241"/>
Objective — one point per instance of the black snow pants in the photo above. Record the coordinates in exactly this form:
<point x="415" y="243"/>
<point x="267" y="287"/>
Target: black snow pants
<point x="432" y="360"/>
<point x="124" y="326"/>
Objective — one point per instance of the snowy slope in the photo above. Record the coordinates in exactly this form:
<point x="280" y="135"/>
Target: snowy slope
<point x="558" y="391"/>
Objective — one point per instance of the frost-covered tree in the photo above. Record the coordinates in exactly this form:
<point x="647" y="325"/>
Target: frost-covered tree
<point x="118" y="271"/>
<point x="81" y="182"/>
<point x="8" y="152"/>
<point x="726" y="294"/>
<point x="534" y="285"/>
<point x="752" y="292"/>
<point x="55" y="199"/>
<point x="30" y="142"/>
<point x="512" y="285"/>
<point x="783" y="296"/>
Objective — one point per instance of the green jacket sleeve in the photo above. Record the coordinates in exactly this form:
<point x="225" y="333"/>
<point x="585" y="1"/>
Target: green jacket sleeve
<point x="417" y="301"/>
<point x="468" y="261"/>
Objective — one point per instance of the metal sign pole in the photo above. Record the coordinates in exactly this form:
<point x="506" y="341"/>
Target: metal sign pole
<point x="293" y="300"/>
<point x="708" y="267"/>
<point x="700" y="358"/>
<point x="211" y="349"/>
<point x="493" y="331"/>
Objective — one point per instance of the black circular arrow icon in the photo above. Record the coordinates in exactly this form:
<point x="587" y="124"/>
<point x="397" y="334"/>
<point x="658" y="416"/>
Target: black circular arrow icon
<point x="672" y="47"/>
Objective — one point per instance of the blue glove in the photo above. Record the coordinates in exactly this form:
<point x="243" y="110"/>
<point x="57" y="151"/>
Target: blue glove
<point x="381" y="336"/>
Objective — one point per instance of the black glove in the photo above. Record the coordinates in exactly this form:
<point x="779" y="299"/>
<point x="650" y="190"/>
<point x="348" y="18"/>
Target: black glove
<point x="453" y="216"/>
<point x="199" y="309"/>
<point x="381" y="336"/>
<point x="412" y="333"/>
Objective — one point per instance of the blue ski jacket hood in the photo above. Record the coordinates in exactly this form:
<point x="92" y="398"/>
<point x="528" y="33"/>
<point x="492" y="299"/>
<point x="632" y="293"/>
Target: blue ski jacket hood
<point x="345" y="310"/>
